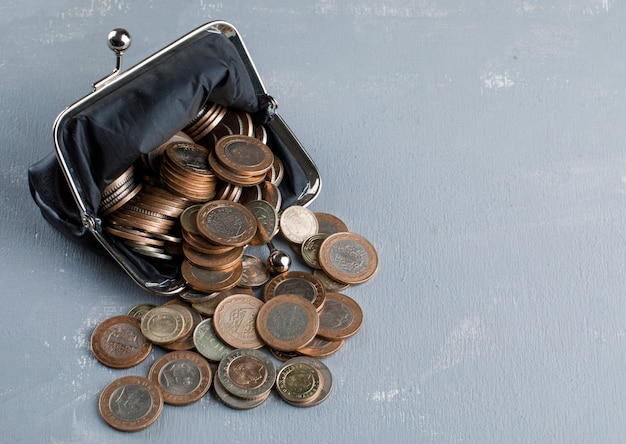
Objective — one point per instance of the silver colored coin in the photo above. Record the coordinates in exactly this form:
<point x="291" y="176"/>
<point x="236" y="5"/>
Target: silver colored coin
<point x="234" y="401"/>
<point x="208" y="344"/>
<point x="247" y="373"/>
<point x="267" y="218"/>
<point x="298" y="223"/>
<point x="310" y="249"/>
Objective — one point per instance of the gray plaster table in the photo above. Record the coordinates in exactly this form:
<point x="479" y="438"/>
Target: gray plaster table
<point x="478" y="145"/>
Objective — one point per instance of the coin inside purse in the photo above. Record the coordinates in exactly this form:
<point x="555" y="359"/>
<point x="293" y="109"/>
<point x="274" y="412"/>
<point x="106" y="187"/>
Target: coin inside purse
<point x="100" y="136"/>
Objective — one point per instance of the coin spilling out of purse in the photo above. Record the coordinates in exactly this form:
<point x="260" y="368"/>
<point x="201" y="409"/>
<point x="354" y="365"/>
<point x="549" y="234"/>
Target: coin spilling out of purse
<point x="199" y="200"/>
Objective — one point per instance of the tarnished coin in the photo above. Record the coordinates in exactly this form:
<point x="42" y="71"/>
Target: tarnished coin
<point x="330" y="224"/>
<point x="192" y="318"/>
<point x="244" y="155"/>
<point x="298" y="223"/>
<point x="217" y="261"/>
<point x="299" y="382"/>
<point x="118" y="342"/>
<point x="192" y="296"/>
<point x="267" y="221"/>
<point x="236" y="402"/>
<point x="247" y="373"/>
<point x="207" y="307"/>
<point x="340" y="318"/>
<point x="328" y="283"/>
<point x="326" y="378"/>
<point x="234" y="321"/>
<point x="283" y="356"/>
<point x="163" y="325"/>
<point x="226" y="223"/>
<point x="255" y="272"/>
<point x="139" y="310"/>
<point x="287" y="322"/>
<point x="208" y="281"/>
<point x="310" y="249"/>
<point x="208" y="344"/>
<point x="348" y="258"/>
<point x="296" y="282"/>
<point x="130" y="403"/>
<point x="184" y="377"/>
<point x="320" y="347"/>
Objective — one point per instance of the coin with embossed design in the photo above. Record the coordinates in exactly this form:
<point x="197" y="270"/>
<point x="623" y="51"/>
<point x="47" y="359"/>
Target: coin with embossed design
<point x="183" y="376"/>
<point x="310" y="249"/>
<point x="202" y="279"/>
<point x="348" y="258"/>
<point x="236" y="402"/>
<point x="325" y="377"/>
<point x="234" y="321"/>
<point x="287" y="322"/>
<point x="296" y="282"/>
<point x="247" y="373"/>
<point x="244" y="155"/>
<point x="208" y="344"/>
<point x="267" y="221"/>
<point x="130" y="403"/>
<point x="320" y="347"/>
<point x="162" y="325"/>
<point x="226" y="223"/>
<point x="298" y="382"/>
<point x="340" y="318"/>
<point x="118" y="342"/>
<point x="298" y="223"/>
<point x="255" y="271"/>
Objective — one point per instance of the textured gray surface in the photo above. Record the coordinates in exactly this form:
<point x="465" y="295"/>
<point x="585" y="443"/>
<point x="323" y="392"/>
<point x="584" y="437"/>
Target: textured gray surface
<point x="477" y="145"/>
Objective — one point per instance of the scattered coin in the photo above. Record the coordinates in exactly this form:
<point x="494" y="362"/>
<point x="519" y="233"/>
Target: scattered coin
<point x="296" y="282"/>
<point x="320" y="347"/>
<point x="183" y="376"/>
<point x="255" y="272"/>
<point x="130" y="403"/>
<point x="287" y="322"/>
<point x="208" y="344"/>
<point x="118" y="342"/>
<point x="340" y="318"/>
<point x="247" y="373"/>
<point x="298" y="223"/>
<point x="163" y="325"/>
<point x="310" y="249"/>
<point x="348" y="258"/>
<point x="139" y="310"/>
<point x="299" y="382"/>
<point x="236" y="402"/>
<point x="326" y="378"/>
<point x="330" y="224"/>
<point x="234" y="321"/>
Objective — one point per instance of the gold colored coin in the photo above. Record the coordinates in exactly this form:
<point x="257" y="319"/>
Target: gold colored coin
<point x="163" y="325"/>
<point x="234" y="321"/>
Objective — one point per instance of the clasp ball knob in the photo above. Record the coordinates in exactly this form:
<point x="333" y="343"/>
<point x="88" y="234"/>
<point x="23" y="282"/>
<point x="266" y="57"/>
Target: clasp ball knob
<point x="118" y="40"/>
<point x="279" y="261"/>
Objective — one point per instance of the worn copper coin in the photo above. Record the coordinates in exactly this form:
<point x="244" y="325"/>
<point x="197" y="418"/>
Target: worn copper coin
<point x="244" y="155"/>
<point x="296" y="282"/>
<point x="118" y="342"/>
<point x="208" y="281"/>
<point x="236" y="402"/>
<point x="226" y="223"/>
<point x="213" y="261"/>
<point x="287" y="322"/>
<point x="163" y="325"/>
<point x="235" y="321"/>
<point x="184" y="377"/>
<point x="208" y="344"/>
<point x="299" y="382"/>
<point x="247" y="373"/>
<point x="255" y="271"/>
<point x="348" y="258"/>
<point x="326" y="377"/>
<point x="298" y="223"/>
<point x="130" y="403"/>
<point x="340" y="318"/>
<point x="320" y="347"/>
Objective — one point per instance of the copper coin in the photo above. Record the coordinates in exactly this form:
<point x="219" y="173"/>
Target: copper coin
<point x="126" y="175"/>
<point x="226" y="223"/>
<point x="328" y="283"/>
<point x="183" y="376"/>
<point x="320" y="347"/>
<point x="296" y="282"/>
<point x="340" y="318"/>
<point x="271" y="194"/>
<point x="299" y="382"/>
<point x="209" y="281"/>
<point x="247" y="373"/>
<point x="348" y="258"/>
<point x="232" y="177"/>
<point x="118" y="342"/>
<point x="255" y="271"/>
<point x="244" y="155"/>
<point x="130" y="403"/>
<point x="234" y="321"/>
<point x="287" y="322"/>
<point x="188" y="158"/>
<point x="236" y="402"/>
<point x="298" y="223"/>
<point x="310" y="249"/>
<point x="162" y="325"/>
<point x="326" y="376"/>
<point x="330" y="224"/>
<point x="198" y="243"/>
<point x="219" y="261"/>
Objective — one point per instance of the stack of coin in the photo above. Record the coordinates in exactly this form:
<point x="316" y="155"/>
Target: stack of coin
<point x="118" y="192"/>
<point x="244" y="378"/>
<point x="185" y="170"/>
<point x="241" y="160"/>
<point x="207" y="120"/>
<point x="304" y="381"/>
